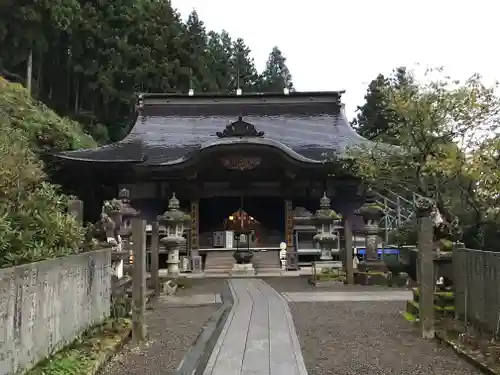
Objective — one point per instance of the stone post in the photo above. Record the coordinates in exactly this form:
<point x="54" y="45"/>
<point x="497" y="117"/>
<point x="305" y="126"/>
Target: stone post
<point x="195" y="250"/>
<point x="155" y="267"/>
<point x="75" y="208"/>
<point x="291" y="257"/>
<point x="325" y="219"/>
<point x="139" y="280"/>
<point x="289" y="225"/>
<point x="175" y="221"/>
<point x="349" y="267"/>
<point x="423" y="208"/>
<point x="124" y="226"/>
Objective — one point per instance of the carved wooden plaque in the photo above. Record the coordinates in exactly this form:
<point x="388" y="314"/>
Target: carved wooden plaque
<point x="241" y="163"/>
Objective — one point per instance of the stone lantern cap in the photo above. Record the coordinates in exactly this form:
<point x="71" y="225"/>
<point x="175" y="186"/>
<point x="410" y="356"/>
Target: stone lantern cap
<point x="174" y="216"/>
<point x="325" y="214"/>
<point x="371" y="209"/>
<point x="120" y="207"/>
<point x="126" y="209"/>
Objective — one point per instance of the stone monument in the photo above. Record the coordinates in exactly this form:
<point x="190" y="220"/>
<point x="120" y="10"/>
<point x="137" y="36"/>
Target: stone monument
<point x="283" y="255"/>
<point x="175" y="221"/>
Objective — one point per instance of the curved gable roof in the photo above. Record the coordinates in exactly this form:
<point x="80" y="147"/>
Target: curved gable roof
<point x="171" y="128"/>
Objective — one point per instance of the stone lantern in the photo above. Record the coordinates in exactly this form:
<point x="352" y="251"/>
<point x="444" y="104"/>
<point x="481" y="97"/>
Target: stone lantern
<point x="115" y="219"/>
<point x="372" y="213"/>
<point x="127" y="213"/>
<point x="175" y="222"/>
<point x="326" y="220"/>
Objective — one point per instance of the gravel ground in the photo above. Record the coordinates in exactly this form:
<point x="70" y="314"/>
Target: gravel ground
<point x="355" y="338"/>
<point x="171" y="330"/>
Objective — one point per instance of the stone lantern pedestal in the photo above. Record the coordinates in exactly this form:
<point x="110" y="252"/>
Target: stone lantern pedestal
<point x="172" y="245"/>
<point x="175" y="221"/>
<point x="326" y="220"/>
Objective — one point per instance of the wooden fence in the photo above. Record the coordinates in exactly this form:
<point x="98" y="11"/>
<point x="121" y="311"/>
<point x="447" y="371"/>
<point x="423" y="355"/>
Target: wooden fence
<point x="476" y="278"/>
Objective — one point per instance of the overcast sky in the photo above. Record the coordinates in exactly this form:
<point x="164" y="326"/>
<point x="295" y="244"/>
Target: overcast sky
<point x="342" y="45"/>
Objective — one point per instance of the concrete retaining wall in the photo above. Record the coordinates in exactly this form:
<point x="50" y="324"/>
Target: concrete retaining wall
<point x="46" y="305"/>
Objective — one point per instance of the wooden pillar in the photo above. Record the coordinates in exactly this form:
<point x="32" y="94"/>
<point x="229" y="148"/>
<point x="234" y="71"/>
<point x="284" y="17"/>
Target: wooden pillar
<point x="139" y="280"/>
<point x="348" y="252"/>
<point x="426" y="270"/>
<point x="195" y="227"/>
<point x="155" y="266"/>
<point x="289" y="224"/>
<point x="75" y="208"/>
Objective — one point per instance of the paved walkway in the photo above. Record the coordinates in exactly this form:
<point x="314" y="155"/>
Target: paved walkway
<point x="259" y="336"/>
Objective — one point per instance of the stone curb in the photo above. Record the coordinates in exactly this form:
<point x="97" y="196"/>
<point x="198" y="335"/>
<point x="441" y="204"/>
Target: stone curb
<point x="195" y="360"/>
<point x="106" y="356"/>
<point x="472" y="361"/>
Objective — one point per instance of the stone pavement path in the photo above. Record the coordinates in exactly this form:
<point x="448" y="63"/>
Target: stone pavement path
<point x="259" y="336"/>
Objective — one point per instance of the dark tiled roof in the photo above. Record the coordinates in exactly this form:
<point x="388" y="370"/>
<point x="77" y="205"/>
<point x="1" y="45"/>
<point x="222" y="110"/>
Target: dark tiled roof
<point x="170" y="129"/>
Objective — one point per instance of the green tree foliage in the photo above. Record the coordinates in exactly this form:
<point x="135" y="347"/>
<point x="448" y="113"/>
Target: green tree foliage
<point x="276" y="76"/>
<point x="91" y="57"/>
<point x="33" y="222"/>
<point x="242" y="67"/>
<point x="375" y="119"/>
<point x="448" y="136"/>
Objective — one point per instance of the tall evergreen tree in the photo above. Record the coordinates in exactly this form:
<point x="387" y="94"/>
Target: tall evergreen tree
<point x="276" y="75"/>
<point x="242" y="68"/>
<point x="197" y="48"/>
<point x="89" y="58"/>
<point x="375" y="120"/>
<point x="220" y="52"/>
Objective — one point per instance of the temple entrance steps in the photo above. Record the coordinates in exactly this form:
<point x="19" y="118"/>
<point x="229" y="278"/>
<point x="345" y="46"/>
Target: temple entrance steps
<point x="223" y="261"/>
<point x="219" y="261"/>
<point x="269" y="259"/>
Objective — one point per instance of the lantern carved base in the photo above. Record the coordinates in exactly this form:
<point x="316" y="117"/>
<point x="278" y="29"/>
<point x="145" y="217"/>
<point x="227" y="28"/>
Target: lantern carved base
<point x="326" y="242"/>
<point x="172" y="245"/>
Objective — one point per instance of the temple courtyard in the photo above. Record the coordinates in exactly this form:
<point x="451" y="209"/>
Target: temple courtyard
<point x="285" y="326"/>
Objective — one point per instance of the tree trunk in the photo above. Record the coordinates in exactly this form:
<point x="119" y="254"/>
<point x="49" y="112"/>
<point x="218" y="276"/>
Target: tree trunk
<point x="29" y="70"/>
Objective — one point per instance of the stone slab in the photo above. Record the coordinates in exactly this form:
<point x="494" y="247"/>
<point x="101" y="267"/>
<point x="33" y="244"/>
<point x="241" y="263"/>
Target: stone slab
<point x="243" y="270"/>
<point x="352" y="296"/>
<point x="225" y="275"/>
<point x="193" y="300"/>
<point x="259" y="337"/>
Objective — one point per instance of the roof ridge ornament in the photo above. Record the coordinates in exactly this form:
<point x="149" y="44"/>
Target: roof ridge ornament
<point x="240" y="128"/>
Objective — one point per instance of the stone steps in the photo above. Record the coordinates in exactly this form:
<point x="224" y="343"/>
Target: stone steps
<point x="266" y="259"/>
<point x="219" y="261"/>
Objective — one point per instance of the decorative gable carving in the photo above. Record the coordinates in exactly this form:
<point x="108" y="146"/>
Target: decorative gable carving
<point x="240" y="128"/>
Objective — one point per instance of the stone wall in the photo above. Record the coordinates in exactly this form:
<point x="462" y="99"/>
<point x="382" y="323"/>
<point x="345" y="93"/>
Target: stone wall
<point x="46" y="305"/>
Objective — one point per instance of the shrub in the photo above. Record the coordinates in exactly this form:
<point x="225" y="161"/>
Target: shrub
<point x="34" y="224"/>
<point x="42" y="126"/>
